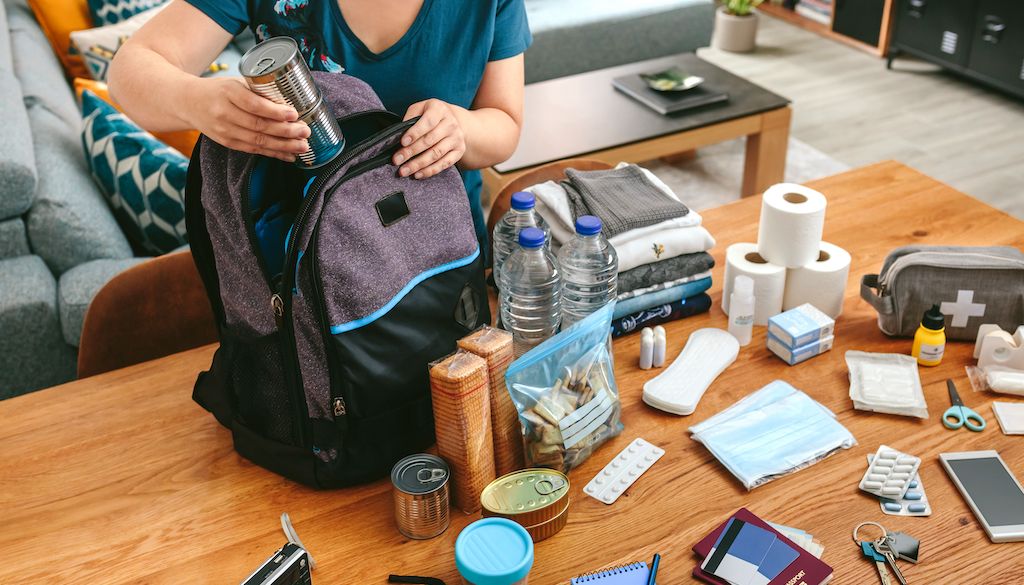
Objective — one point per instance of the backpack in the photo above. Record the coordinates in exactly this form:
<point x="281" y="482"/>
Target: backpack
<point x="333" y="288"/>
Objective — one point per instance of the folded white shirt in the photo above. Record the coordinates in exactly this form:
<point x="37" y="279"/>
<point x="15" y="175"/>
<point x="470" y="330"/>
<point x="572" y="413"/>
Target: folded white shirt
<point x="553" y="206"/>
<point x="661" y="241"/>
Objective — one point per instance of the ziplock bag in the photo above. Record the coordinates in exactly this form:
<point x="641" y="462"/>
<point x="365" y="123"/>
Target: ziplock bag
<point x="771" y="433"/>
<point x="564" y="390"/>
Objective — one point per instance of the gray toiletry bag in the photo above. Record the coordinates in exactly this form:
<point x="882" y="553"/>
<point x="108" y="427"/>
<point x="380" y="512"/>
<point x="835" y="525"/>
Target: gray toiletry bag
<point x="971" y="285"/>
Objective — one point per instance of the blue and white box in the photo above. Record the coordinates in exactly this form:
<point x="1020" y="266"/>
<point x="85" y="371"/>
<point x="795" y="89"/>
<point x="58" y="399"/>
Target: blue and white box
<point x="801" y="325"/>
<point x="794" y="356"/>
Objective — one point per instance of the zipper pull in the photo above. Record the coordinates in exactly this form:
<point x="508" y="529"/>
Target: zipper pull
<point x="339" y="407"/>
<point x="277" y="305"/>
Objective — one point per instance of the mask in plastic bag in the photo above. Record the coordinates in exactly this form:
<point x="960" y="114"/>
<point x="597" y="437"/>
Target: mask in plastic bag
<point x="565" y="392"/>
<point x="773" y="432"/>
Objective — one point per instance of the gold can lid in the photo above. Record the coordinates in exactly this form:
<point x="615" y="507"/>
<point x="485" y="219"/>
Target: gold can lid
<point x="525" y="492"/>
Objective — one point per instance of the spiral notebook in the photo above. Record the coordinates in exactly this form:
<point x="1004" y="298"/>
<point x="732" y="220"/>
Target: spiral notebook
<point x="632" y="574"/>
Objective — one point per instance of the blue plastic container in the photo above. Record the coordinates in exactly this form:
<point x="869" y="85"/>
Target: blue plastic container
<point x="494" y="551"/>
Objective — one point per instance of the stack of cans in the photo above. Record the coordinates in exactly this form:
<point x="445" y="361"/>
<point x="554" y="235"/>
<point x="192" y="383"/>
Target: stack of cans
<point x="537" y="499"/>
<point x="275" y="70"/>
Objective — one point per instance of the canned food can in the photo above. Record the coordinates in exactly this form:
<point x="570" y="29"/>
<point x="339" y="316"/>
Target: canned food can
<point x="421" y="495"/>
<point x="536" y="499"/>
<point x="325" y="138"/>
<point x="275" y="70"/>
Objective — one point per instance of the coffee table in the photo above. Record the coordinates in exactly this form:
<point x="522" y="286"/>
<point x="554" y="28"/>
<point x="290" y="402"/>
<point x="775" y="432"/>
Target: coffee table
<point x="120" y="478"/>
<point x="585" y="116"/>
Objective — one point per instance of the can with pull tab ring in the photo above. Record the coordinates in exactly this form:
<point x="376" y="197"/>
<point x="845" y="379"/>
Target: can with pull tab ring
<point x="421" y="495"/>
<point x="276" y="70"/>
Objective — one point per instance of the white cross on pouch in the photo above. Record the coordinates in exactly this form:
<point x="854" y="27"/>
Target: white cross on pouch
<point x="963" y="309"/>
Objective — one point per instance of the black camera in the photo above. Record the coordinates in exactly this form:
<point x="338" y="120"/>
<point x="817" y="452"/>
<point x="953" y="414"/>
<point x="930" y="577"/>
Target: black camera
<point x="288" y="566"/>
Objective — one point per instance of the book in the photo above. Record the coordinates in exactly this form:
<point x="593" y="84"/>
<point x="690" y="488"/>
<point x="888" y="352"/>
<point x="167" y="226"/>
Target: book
<point x="631" y="574"/>
<point x="667" y="102"/>
<point x="805" y="570"/>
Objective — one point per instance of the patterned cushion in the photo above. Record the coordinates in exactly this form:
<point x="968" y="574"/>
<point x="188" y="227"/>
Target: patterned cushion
<point x="106" y="12"/>
<point x="184" y="141"/>
<point x="99" y="45"/>
<point x="143" y="179"/>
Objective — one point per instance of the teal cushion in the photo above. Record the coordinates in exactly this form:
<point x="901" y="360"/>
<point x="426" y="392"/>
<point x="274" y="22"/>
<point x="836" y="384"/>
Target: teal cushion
<point x="142" y="178"/>
<point x="113" y="11"/>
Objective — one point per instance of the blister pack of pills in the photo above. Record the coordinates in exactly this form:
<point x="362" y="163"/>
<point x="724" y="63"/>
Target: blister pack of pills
<point x="913" y="503"/>
<point x="889" y="474"/>
<point x="623" y="471"/>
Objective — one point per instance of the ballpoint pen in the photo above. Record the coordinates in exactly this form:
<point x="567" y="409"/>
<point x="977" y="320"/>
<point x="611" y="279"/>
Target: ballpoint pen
<point x="652" y="579"/>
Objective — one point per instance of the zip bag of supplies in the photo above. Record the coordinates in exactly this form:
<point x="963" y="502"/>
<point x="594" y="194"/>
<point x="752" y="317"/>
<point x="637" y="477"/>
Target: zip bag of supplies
<point x="565" y="392"/>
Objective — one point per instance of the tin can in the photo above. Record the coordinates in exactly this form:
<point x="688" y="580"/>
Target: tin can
<point x="421" y="495"/>
<point x="325" y="139"/>
<point x="275" y="70"/>
<point x="536" y="499"/>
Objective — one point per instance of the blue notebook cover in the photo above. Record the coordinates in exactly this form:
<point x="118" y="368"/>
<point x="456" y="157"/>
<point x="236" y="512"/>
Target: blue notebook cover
<point x="633" y="574"/>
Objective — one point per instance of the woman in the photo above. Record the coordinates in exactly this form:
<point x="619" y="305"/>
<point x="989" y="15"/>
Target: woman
<point x="457" y="64"/>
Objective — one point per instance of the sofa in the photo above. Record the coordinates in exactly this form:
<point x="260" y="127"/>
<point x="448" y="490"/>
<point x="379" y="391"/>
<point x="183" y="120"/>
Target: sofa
<point x="59" y="241"/>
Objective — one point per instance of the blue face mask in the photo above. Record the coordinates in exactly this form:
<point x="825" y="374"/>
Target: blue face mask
<point x="773" y="432"/>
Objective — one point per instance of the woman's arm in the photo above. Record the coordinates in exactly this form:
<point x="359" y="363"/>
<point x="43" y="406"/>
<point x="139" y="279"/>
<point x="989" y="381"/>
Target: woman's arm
<point x="479" y="137"/>
<point x="155" y="79"/>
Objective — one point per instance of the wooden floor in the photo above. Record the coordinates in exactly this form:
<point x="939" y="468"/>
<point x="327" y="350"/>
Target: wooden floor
<point x="846" y="104"/>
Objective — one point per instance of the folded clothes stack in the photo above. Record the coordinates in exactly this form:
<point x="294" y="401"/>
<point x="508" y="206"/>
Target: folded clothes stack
<point x="664" y="267"/>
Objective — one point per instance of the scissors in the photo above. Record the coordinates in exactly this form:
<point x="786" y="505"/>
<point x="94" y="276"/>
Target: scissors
<point x="958" y="415"/>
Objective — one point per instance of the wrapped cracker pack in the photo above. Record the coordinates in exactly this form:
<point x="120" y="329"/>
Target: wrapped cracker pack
<point x="565" y="393"/>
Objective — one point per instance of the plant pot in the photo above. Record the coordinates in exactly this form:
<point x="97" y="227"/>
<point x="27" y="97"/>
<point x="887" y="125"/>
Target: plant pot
<point x="734" y="33"/>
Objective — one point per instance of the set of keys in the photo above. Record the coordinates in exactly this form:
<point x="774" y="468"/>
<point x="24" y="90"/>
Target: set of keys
<point x="886" y="550"/>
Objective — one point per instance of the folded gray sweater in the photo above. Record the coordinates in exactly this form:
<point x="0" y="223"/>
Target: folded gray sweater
<point x="623" y="198"/>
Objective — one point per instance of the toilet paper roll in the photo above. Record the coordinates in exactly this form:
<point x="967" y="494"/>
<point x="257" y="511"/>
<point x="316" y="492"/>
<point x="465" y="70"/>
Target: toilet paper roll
<point x="821" y="283"/>
<point x="792" y="219"/>
<point x="769" y="280"/>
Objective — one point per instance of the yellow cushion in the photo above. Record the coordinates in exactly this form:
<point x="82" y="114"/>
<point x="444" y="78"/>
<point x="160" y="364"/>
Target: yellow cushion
<point x="183" y="141"/>
<point x="58" y="18"/>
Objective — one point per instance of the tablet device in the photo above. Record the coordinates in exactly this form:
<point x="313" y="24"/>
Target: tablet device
<point x="993" y="493"/>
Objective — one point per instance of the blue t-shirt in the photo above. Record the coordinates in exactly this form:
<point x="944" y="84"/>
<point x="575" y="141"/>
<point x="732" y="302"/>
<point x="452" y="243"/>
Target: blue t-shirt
<point x="442" y="55"/>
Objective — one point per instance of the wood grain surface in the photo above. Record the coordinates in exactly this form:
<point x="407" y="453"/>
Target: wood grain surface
<point x="121" y="478"/>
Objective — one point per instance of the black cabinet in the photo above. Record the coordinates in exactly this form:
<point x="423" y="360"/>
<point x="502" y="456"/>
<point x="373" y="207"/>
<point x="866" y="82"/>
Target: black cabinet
<point x="983" y="39"/>
<point x="997" y="49"/>
<point x="858" y="19"/>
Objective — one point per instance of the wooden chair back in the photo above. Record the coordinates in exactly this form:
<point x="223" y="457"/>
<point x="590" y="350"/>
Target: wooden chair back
<point x="550" y="172"/>
<point x="151" y="310"/>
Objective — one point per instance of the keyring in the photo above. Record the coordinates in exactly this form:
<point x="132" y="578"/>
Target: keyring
<point x="885" y="533"/>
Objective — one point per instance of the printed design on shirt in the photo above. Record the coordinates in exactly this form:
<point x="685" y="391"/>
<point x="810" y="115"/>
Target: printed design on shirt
<point x="658" y="249"/>
<point x="296" y="22"/>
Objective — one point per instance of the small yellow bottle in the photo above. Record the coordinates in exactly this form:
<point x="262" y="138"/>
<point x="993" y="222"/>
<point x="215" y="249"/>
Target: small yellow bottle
<point x="930" y="339"/>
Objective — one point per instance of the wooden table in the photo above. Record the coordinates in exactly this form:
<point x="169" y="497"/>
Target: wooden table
<point x="120" y="478"/>
<point x="585" y="116"/>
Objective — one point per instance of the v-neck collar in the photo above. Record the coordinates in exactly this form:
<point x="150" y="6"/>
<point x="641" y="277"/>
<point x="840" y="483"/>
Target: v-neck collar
<point x="401" y="42"/>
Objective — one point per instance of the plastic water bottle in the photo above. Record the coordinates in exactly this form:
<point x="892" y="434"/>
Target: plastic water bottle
<point x="506" y="232"/>
<point x="590" y="271"/>
<point x="531" y="287"/>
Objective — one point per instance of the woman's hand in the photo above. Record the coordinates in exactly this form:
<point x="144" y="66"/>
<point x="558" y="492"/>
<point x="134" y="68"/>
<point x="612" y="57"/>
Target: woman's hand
<point x="434" y="143"/>
<point x="227" y="111"/>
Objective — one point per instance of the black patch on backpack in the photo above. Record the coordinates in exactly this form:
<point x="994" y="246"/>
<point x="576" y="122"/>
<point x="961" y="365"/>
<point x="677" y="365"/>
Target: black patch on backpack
<point x="392" y="208"/>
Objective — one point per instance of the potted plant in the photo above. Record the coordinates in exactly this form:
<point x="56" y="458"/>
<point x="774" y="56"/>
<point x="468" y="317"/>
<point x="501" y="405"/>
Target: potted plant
<point x="735" y="26"/>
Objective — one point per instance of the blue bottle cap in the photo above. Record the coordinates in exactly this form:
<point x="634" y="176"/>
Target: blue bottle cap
<point x="588" y="225"/>
<point x="523" y="200"/>
<point x="531" y="237"/>
<point x="494" y="551"/>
